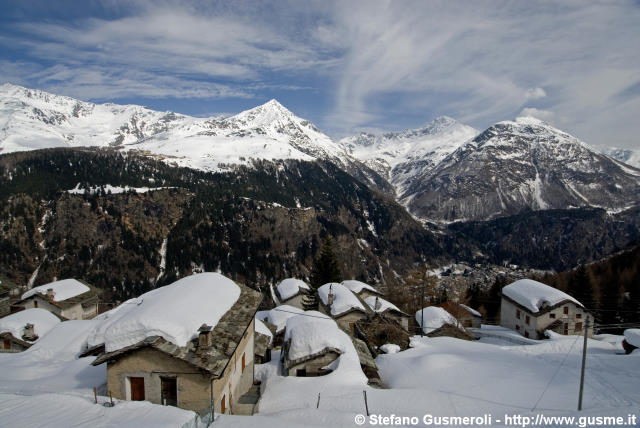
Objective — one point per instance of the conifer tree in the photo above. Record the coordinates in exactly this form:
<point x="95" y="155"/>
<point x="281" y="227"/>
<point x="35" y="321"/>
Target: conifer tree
<point x="325" y="267"/>
<point x="581" y="287"/>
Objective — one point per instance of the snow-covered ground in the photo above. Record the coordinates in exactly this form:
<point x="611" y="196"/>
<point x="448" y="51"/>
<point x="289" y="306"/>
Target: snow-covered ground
<point x="47" y="385"/>
<point x="450" y="377"/>
<point x="108" y="188"/>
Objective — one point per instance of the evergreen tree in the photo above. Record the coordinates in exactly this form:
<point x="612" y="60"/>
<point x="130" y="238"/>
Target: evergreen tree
<point x="325" y="267"/>
<point x="581" y="287"/>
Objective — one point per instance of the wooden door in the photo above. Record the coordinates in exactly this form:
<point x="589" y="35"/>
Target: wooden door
<point x="137" y="388"/>
<point x="7" y="344"/>
<point x="169" y="391"/>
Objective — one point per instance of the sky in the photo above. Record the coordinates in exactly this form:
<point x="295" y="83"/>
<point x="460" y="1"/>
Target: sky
<point x="347" y="66"/>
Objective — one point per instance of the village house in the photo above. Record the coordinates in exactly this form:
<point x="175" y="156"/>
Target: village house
<point x="312" y="342"/>
<point x="68" y="298"/>
<point x="361" y="289"/>
<point x="342" y="305"/>
<point x="9" y="293"/>
<point x="189" y="344"/>
<point x="387" y="309"/>
<point x="22" y="329"/>
<point x="292" y="292"/>
<point x="466" y="316"/>
<point x="277" y="317"/>
<point x="530" y="307"/>
<point x="436" y="322"/>
<point x="263" y="341"/>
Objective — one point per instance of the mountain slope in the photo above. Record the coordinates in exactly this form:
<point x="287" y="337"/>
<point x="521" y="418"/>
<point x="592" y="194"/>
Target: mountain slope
<point x="516" y="166"/>
<point x="400" y="156"/>
<point x="628" y="156"/>
<point x="257" y="224"/>
<point x="33" y="119"/>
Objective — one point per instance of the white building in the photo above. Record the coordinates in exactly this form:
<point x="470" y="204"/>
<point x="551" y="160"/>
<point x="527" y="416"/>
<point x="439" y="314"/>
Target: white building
<point x="530" y="307"/>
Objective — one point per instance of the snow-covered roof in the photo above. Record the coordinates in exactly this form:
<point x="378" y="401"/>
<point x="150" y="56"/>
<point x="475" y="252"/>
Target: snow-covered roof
<point x="434" y="318"/>
<point x="471" y="310"/>
<point x="42" y="321"/>
<point x="279" y="315"/>
<point x="384" y="304"/>
<point x="358" y="286"/>
<point x="174" y="312"/>
<point x="63" y="289"/>
<point x="343" y="299"/>
<point x="290" y="287"/>
<point x="311" y="333"/>
<point x="632" y="336"/>
<point x="533" y="295"/>
<point x="261" y="328"/>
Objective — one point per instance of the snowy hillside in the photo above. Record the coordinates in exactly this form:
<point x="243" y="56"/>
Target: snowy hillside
<point x="400" y="156"/>
<point x="628" y="156"/>
<point x="521" y="165"/>
<point x="33" y="119"/>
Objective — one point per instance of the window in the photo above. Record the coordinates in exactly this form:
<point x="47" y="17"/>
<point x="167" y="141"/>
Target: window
<point x="517" y="327"/>
<point x="243" y="362"/>
<point x="527" y="319"/>
<point x="578" y="316"/>
<point x="552" y="316"/>
<point x="578" y="326"/>
<point x="301" y="372"/>
<point x="223" y="404"/>
<point x="518" y="313"/>
<point x="565" y="310"/>
<point x="7" y="344"/>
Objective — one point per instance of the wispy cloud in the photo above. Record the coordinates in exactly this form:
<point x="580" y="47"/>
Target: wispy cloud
<point x="374" y="64"/>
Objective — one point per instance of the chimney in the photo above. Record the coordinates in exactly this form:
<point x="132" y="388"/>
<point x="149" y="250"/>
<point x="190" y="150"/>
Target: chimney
<point x="50" y="294"/>
<point x="330" y="297"/>
<point x="377" y="305"/>
<point x="29" y="333"/>
<point x="205" y="339"/>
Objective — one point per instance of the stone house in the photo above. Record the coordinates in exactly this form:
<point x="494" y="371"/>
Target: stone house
<point x="292" y="292"/>
<point x="312" y="342"/>
<point x="342" y="305"/>
<point x="530" y="307"/>
<point x="388" y="309"/>
<point x="214" y="368"/>
<point x="466" y="316"/>
<point x="263" y="341"/>
<point x="68" y="298"/>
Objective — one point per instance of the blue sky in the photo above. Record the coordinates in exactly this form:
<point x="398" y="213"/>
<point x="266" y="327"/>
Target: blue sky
<point x="345" y="65"/>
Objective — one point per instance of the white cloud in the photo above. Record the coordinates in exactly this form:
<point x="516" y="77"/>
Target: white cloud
<point x="535" y="93"/>
<point x="479" y="61"/>
<point x="544" y="115"/>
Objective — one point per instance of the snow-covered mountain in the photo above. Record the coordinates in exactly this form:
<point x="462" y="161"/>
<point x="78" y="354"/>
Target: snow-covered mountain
<point x="33" y="119"/>
<point x="628" y="156"/>
<point x="521" y="165"/>
<point x="393" y="153"/>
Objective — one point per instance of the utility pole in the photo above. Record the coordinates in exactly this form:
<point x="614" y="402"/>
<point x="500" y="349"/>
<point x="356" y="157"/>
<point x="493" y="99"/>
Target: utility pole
<point x="422" y="306"/>
<point x="584" y="360"/>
